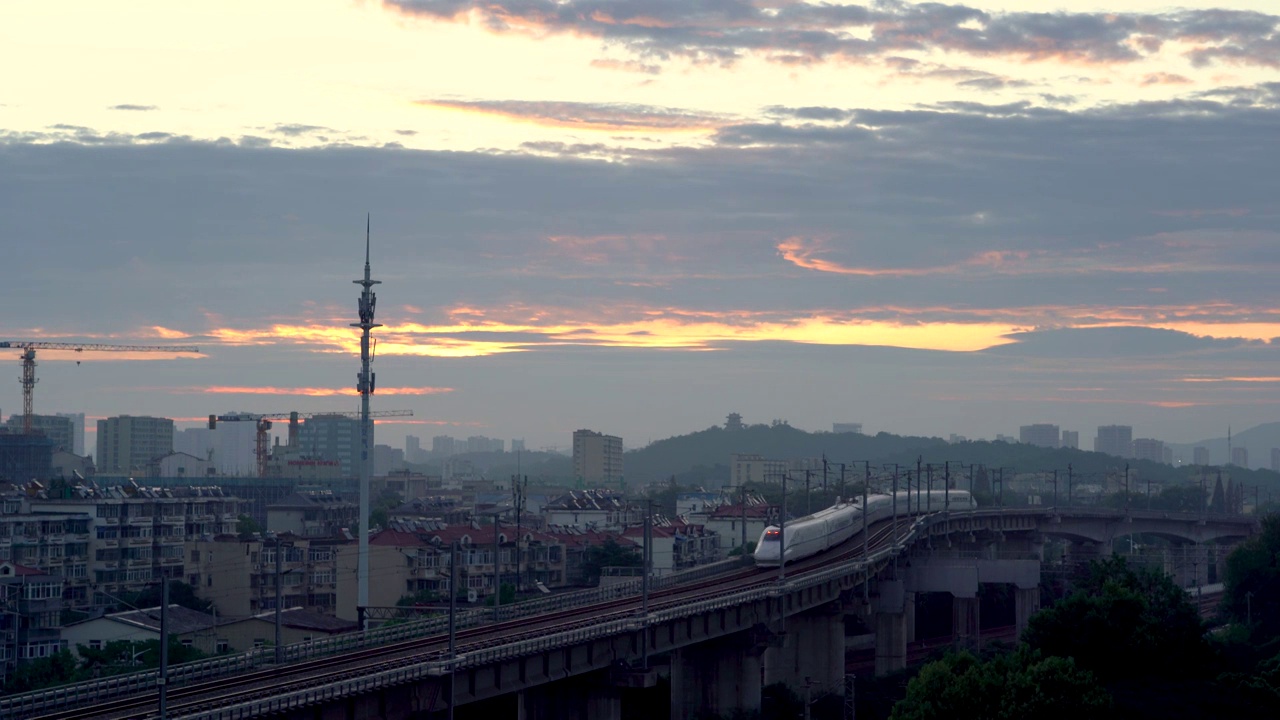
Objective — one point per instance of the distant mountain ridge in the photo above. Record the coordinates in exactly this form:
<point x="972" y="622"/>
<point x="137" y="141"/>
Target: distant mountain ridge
<point x="1258" y="440"/>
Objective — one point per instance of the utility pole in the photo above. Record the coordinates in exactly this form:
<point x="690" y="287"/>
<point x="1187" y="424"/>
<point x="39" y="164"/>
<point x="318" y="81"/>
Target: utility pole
<point x="453" y="622"/>
<point x="646" y="559"/>
<point x="365" y="386"/>
<point x="497" y="567"/>
<point x="808" y="505"/>
<point x="1070" y="476"/>
<point x="163" y="682"/>
<point x="1126" y="488"/>
<point x="1055" y="489"/>
<point x="782" y="537"/>
<point x="946" y="489"/>
<point x="279" y="594"/>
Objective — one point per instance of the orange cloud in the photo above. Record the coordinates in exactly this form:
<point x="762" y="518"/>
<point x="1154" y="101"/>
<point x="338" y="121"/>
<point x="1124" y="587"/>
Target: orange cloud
<point x="795" y="251"/>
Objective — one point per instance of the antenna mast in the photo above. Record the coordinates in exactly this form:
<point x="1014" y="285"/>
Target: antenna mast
<point x="365" y="386"/>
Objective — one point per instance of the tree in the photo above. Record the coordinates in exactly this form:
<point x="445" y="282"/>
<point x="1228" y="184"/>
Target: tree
<point x="247" y="527"/>
<point x="608" y="554"/>
<point x="58" y="669"/>
<point x="1251" y="591"/>
<point x="1012" y="686"/>
<point x="1121" y="622"/>
<point x="180" y="593"/>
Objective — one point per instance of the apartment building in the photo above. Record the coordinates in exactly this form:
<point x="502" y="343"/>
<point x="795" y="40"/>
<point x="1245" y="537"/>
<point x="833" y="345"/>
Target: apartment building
<point x="30" y="610"/>
<point x="597" y="458"/>
<point x="129" y="445"/>
<point x="134" y="535"/>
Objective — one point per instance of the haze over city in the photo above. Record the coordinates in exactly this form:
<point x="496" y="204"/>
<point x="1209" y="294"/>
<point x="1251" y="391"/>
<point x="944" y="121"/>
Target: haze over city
<point x="639" y="217"/>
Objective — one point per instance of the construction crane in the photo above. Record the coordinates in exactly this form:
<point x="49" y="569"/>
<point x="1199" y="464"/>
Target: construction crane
<point x="261" y="445"/>
<point x="30" y="347"/>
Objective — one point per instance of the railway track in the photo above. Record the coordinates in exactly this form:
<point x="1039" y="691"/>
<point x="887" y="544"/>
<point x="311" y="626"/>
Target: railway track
<point x="205" y="695"/>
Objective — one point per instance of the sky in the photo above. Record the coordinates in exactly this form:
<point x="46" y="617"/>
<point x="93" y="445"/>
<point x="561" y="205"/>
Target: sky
<point x="638" y="216"/>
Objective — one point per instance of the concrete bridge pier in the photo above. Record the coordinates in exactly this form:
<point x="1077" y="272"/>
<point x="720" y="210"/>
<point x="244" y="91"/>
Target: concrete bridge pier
<point x="964" y="620"/>
<point x="812" y="648"/>
<point x="1026" y="602"/>
<point x="892" y="627"/>
<point x="721" y="676"/>
<point x="585" y="697"/>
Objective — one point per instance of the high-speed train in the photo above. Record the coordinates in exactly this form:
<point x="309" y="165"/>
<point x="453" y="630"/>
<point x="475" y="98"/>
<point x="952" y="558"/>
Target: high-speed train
<point x="811" y="534"/>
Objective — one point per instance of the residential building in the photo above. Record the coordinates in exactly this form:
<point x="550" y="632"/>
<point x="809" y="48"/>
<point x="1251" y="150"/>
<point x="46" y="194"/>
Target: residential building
<point x="413" y="450"/>
<point x="77" y="430"/>
<point x="183" y="465"/>
<point x="387" y="459"/>
<point x="1114" y="440"/>
<point x="333" y="437"/>
<point x="600" y="510"/>
<point x="1040" y="434"/>
<point x="847" y="427"/>
<point x="1200" y="455"/>
<point x="134" y="535"/>
<point x="191" y="627"/>
<point x="230" y="446"/>
<point x="59" y="429"/>
<point x="443" y="446"/>
<point x="517" y="445"/>
<point x="728" y="523"/>
<point x="597" y="458"/>
<point x="297" y="625"/>
<point x="415" y="557"/>
<point x="1148" y="449"/>
<point x="1071" y="439"/>
<point x="746" y="468"/>
<point x="312" y="514"/>
<point x="1240" y="457"/>
<point x="30" y="610"/>
<point x="53" y="543"/>
<point x="129" y="445"/>
<point x="240" y="576"/>
<point x="25" y="457"/>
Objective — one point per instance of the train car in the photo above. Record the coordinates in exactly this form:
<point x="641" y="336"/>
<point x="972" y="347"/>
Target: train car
<point x="812" y="534"/>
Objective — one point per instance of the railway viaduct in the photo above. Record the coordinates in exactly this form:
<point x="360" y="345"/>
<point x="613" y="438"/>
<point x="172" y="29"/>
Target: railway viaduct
<point x="722" y="638"/>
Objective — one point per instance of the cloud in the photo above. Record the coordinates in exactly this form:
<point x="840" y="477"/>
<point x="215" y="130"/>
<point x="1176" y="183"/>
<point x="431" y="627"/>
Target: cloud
<point x="799" y="33"/>
<point x="135" y="108"/>
<point x="611" y="117"/>
<point x="306" y="391"/>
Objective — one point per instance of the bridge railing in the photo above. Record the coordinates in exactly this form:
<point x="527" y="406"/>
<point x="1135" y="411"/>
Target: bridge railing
<point x="132" y="683"/>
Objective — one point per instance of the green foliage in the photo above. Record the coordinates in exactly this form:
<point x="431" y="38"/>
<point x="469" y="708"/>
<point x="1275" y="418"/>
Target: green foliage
<point x="608" y="554"/>
<point x="506" y="593"/>
<point x="422" y="597"/>
<point x="58" y="669"/>
<point x="1013" y="686"/>
<point x="180" y="593"/>
<point x="1251" y="590"/>
<point x="1120" y="623"/>
<point x="246" y="527"/>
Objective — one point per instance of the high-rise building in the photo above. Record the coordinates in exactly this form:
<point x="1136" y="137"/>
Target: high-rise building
<point x="333" y="437"/>
<point x="58" y="428"/>
<point x="230" y="446"/>
<point x="517" y="445"/>
<point x="1040" y="434"/>
<point x="1114" y="440"/>
<point x="847" y="427"/>
<point x="77" y="428"/>
<point x="1200" y="455"/>
<point x="1240" y="457"/>
<point x="443" y="446"/>
<point x="1071" y="439"/>
<point x="1148" y="449"/>
<point x="597" y="458"/>
<point x="412" y="449"/>
<point x="131" y="445"/>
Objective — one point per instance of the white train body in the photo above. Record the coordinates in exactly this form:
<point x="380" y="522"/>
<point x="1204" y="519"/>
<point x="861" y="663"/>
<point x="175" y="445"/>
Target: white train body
<point x="811" y="534"/>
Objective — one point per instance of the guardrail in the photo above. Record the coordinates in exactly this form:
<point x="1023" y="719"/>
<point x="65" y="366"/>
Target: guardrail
<point x="484" y="655"/>
<point x="210" y="668"/>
